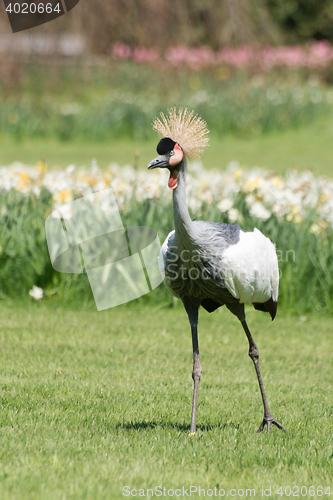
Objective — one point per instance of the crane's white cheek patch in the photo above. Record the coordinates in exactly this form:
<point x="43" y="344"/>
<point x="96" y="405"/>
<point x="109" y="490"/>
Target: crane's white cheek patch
<point x="250" y="268"/>
<point x="173" y="179"/>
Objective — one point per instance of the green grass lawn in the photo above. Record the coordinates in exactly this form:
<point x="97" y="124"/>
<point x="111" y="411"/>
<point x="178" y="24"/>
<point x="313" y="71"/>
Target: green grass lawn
<point x="306" y="147"/>
<point x="92" y="402"/>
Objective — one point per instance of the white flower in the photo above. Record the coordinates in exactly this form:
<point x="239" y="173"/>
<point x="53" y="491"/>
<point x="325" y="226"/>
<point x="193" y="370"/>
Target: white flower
<point x="63" y="211"/>
<point x="234" y="215"/>
<point x="258" y="210"/>
<point x="225" y="205"/>
<point x="315" y="229"/>
<point x="36" y="292"/>
<point x="70" y="169"/>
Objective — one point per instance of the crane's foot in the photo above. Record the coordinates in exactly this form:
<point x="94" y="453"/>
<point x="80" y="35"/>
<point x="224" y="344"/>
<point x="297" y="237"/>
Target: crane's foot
<point x="270" y="421"/>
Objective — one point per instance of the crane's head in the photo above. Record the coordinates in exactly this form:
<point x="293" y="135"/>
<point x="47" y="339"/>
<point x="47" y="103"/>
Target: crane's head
<point x="170" y="155"/>
<point x="183" y="133"/>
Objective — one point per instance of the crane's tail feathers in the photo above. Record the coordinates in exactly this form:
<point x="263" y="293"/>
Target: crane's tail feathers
<point x="210" y="305"/>
<point x="269" y="306"/>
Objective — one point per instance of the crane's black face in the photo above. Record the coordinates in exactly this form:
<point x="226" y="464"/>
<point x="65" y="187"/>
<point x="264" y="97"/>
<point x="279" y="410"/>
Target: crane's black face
<point x="170" y="155"/>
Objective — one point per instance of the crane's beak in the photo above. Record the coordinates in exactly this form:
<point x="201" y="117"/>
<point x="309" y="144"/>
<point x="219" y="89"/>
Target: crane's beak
<point x="161" y="161"/>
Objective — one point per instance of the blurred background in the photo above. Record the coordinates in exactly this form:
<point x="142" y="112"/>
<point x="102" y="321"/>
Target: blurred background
<point x="88" y="84"/>
<point x="81" y="92"/>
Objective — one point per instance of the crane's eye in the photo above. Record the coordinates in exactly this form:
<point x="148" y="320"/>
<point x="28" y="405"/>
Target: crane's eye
<point x="172" y="153"/>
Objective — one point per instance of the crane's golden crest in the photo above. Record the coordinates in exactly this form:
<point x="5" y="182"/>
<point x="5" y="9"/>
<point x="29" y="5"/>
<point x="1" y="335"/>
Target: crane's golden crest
<point x="186" y="128"/>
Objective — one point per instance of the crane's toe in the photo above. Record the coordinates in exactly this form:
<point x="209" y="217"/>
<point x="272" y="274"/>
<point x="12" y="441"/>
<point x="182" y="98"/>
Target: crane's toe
<point x="270" y="421"/>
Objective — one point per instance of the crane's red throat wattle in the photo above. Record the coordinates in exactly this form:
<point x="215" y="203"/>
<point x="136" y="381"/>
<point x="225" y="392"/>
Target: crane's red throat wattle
<point x="173" y="180"/>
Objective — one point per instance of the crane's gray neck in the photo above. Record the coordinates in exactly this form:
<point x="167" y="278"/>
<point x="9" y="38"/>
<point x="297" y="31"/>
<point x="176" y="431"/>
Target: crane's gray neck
<point x="183" y="223"/>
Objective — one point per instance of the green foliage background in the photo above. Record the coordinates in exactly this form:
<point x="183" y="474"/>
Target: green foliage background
<point x="306" y="270"/>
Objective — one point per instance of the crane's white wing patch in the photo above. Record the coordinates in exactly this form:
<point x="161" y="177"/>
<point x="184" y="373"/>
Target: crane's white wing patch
<point x="250" y="268"/>
<point x="163" y="252"/>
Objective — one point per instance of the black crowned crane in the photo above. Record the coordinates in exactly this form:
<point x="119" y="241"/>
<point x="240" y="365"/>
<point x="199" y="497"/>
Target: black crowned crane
<point x="211" y="264"/>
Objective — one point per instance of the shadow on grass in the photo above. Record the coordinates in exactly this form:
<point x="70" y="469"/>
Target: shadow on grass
<point x="138" y="426"/>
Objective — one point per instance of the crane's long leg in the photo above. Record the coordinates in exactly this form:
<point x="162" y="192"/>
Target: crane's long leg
<point x="268" y="420"/>
<point x="196" y="375"/>
<point x="192" y="312"/>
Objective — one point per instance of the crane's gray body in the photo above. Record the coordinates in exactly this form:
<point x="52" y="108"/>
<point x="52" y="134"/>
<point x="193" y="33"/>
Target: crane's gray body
<point x="193" y="265"/>
<point x="215" y="264"/>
